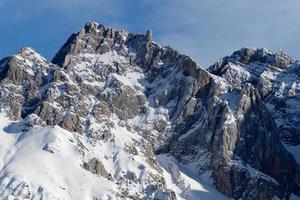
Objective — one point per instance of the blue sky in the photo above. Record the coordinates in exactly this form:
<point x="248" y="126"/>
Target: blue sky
<point x="204" y="29"/>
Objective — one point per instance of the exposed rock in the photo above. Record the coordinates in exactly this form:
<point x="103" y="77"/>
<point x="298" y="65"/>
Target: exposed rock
<point x="131" y="176"/>
<point x="72" y="122"/>
<point x="165" y="195"/>
<point x="96" y="167"/>
<point x="274" y="76"/>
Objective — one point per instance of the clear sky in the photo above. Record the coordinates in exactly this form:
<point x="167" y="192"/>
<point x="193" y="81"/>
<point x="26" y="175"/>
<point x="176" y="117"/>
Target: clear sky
<point x="204" y="29"/>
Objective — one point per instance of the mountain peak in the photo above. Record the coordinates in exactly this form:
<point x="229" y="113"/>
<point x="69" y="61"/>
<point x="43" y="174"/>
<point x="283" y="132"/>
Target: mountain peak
<point x="29" y="53"/>
<point x="95" y="38"/>
<point x="92" y="38"/>
<point x="91" y="23"/>
<point x="27" y="50"/>
<point x="93" y="26"/>
<point x="247" y="56"/>
<point x="263" y="55"/>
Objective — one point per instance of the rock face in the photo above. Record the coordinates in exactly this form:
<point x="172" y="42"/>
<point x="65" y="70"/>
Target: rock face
<point x="276" y="78"/>
<point x="121" y="91"/>
<point x="24" y="78"/>
<point x="96" y="167"/>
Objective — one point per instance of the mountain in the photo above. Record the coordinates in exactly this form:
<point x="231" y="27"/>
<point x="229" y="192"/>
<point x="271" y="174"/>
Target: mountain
<point x="115" y="115"/>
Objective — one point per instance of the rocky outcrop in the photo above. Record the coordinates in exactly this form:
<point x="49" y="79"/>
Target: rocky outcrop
<point x="96" y="167"/>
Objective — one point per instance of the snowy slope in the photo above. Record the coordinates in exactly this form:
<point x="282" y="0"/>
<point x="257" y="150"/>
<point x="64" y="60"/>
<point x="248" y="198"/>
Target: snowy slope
<point x="46" y="162"/>
<point x="186" y="183"/>
<point x="27" y="167"/>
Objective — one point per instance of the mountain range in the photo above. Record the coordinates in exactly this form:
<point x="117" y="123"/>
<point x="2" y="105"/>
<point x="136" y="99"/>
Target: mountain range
<point x="115" y="115"/>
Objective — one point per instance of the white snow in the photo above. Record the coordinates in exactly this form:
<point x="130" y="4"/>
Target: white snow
<point x="30" y="60"/>
<point x="230" y="119"/>
<point x="59" y="173"/>
<point x="195" y="186"/>
<point x="106" y="58"/>
<point x="47" y="161"/>
<point x="130" y="79"/>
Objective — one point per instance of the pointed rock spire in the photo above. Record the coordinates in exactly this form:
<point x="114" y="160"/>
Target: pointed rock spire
<point x="149" y="36"/>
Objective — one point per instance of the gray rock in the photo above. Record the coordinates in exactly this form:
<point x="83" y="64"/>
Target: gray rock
<point x="96" y="167"/>
<point x="72" y="122"/>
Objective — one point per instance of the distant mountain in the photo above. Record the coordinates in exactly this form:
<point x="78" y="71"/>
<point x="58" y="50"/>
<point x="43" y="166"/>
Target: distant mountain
<point x="115" y="115"/>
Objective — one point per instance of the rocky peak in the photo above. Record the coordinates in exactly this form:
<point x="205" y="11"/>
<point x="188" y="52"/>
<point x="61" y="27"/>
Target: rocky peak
<point x="149" y="35"/>
<point x="94" y="38"/>
<point x="245" y="56"/>
<point x="248" y="54"/>
<point x="98" y="39"/>
<point x="30" y="54"/>
<point x="26" y="51"/>
<point x="282" y="60"/>
<point x="25" y="65"/>
<point x="92" y="27"/>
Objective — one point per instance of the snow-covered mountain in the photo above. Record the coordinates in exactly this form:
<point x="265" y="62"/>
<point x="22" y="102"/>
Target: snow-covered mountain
<point x="115" y="115"/>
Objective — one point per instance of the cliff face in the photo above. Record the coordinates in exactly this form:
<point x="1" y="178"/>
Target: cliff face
<point x="276" y="78"/>
<point x="139" y="113"/>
